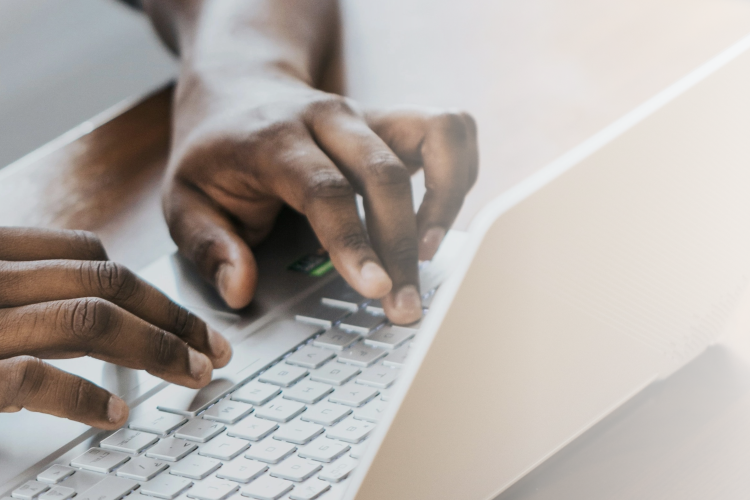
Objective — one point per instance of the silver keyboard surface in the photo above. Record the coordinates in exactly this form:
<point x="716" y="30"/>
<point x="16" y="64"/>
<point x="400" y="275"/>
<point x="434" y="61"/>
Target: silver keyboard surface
<point x="294" y="431"/>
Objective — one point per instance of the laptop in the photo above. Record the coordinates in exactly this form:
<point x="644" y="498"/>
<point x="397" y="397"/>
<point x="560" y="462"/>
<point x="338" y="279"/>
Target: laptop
<point x="611" y="268"/>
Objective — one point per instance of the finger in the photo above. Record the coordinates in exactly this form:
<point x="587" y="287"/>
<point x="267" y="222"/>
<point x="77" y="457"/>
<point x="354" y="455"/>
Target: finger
<point x="324" y="195"/>
<point x="22" y="243"/>
<point x="445" y="144"/>
<point x="207" y="237"/>
<point x="28" y="283"/>
<point x="33" y="384"/>
<point x="376" y="172"/>
<point x="97" y="328"/>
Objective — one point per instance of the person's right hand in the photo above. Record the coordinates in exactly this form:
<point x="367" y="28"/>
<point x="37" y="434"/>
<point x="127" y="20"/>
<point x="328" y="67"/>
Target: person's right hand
<point x="61" y="298"/>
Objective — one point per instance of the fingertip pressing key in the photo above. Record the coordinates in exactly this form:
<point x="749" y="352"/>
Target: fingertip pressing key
<point x="200" y="366"/>
<point x="117" y="411"/>
<point x="403" y="307"/>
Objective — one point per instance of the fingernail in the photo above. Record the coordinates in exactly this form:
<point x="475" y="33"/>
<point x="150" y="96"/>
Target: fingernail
<point x="409" y="301"/>
<point x="376" y="278"/>
<point x="117" y="410"/>
<point x="431" y="242"/>
<point x="220" y="348"/>
<point x="222" y="279"/>
<point x="199" y="364"/>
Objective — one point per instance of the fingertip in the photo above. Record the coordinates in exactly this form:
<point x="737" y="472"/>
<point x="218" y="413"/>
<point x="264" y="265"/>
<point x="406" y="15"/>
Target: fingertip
<point x="200" y="367"/>
<point x="221" y="349"/>
<point x="236" y="281"/>
<point x="117" y="411"/>
<point x="404" y="307"/>
<point x="430" y="242"/>
<point x="375" y="282"/>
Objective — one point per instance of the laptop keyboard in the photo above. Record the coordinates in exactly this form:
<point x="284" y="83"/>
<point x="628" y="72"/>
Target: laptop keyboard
<point x="294" y="432"/>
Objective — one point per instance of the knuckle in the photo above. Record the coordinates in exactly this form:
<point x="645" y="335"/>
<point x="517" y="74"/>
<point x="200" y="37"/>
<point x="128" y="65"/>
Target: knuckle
<point x="26" y="379"/>
<point x="165" y="348"/>
<point x="386" y="170"/>
<point x="327" y="184"/>
<point x="333" y="104"/>
<point x="115" y="281"/>
<point x="89" y="318"/>
<point x="90" y="244"/>
<point x="352" y="237"/>
<point x="404" y="251"/>
<point x="182" y="321"/>
<point x="452" y="124"/>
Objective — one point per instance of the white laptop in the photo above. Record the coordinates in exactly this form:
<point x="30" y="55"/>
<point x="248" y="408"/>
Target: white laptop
<point x="611" y="268"/>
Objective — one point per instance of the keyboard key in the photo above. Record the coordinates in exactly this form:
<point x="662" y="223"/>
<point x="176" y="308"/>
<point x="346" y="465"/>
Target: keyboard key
<point x="325" y="413"/>
<point x="199" y="430"/>
<point x="256" y="393"/>
<point x="142" y="468"/>
<point x="353" y="394"/>
<point x="30" y="490"/>
<point x="224" y="447"/>
<point x="334" y="374"/>
<point x="298" y="432"/>
<point x="166" y="486"/>
<point x="283" y="375"/>
<point x="55" y="474"/>
<point x="358" y="450"/>
<point x="378" y="376"/>
<point x="309" y="356"/>
<point x="109" y="488"/>
<point x="171" y="449"/>
<point x="295" y="469"/>
<point x="351" y="430"/>
<point x="397" y="357"/>
<point x="267" y="488"/>
<point x="371" y="412"/>
<point x="336" y="339"/>
<point x="195" y="467"/>
<point x="375" y="307"/>
<point x="310" y="490"/>
<point x="98" y="460"/>
<point x="213" y="489"/>
<point x="252" y="429"/>
<point x="270" y="451"/>
<point x="315" y="313"/>
<point x="280" y="410"/>
<point x="362" y="322"/>
<point x="227" y="411"/>
<point x="390" y="337"/>
<point x="339" y="470"/>
<point x="158" y="423"/>
<point x="361" y="355"/>
<point x="242" y="470"/>
<point x="339" y="294"/>
<point x="308" y="391"/>
<point x="58" y="493"/>
<point x="323" y="450"/>
<point x="129" y="441"/>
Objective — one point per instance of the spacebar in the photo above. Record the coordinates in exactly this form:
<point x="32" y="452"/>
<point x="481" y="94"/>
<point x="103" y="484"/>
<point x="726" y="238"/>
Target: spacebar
<point x="250" y="357"/>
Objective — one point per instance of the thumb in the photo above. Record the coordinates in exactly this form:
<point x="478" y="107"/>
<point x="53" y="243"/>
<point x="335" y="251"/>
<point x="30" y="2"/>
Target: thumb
<point x="206" y="236"/>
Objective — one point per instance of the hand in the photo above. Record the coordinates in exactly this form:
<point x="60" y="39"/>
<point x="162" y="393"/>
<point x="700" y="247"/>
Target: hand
<point x="244" y="146"/>
<point x="61" y="298"/>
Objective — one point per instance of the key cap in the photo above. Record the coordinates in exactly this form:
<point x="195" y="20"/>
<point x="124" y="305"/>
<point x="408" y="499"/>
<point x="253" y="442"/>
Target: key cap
<point x="339" y="294"/>
<point x="371" y="412"/>
<point x="224" y="447"/>
<point x="339" y="470"/>
<point x="227" y="411"/>
<point x="171" y="449"/>
<point x="242" y="470"/>
<point x="129" y="441"/>
<point x="361" y="355"/>
<point x="427" y="300"/>
<point x="350" y="430"/>
<point x="280" y="410"/>
<point x="310" y="490"/>
<point x="270" y="451"/>
<point x="166" y="486"/>
<point x="358" y="450"/>
<point x="256" y="393"/>
<point x="378" y="376"/>
<point x="309" y="356"/>
<point x="390" y="337"/>
<point x="307" y="391"/>
<point x="334" y="374"/>
<point x="353" y="394"/>
<point x="142" y="468"/>
<point x="397" y="357"/>
<point x="325" y="413"/>
<point x="195" y="467"/>
<point x="283" y="375"/>
<point x="362" y="322"/>
<point x="98" y="460"/>
<point x="385" y="395"/>
<point x="323" y="450"/>
<point x="298" y="432"/>
<point x="30" y="490"/>
<point x="267" y="488"/>
<point x="295" y="469"/>
<point x="58" y="493"/>
<point x="109" y="488"/>
<point x="375" y="307"/>
<point x="336" y="339"/>
<point x="314" y="313"/>
<point x="252" y="429"/>
<point x="158" y="423"/>
<point x="55" y="474"/>
<point x="213" y="489"/>
<point x="199" y="430"/>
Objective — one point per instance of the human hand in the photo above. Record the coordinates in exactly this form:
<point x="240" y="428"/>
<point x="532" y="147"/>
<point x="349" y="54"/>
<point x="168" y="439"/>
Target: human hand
<point x="61" y="298"/>
<point x="243" y="146"/>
